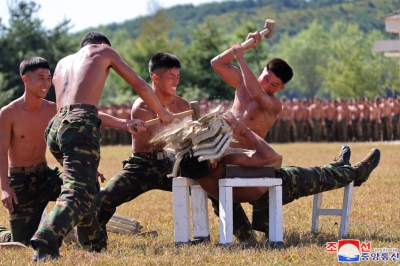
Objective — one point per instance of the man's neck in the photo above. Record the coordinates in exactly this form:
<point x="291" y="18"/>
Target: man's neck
<point x="32" y="103"/>
<point x="164" y="99"/>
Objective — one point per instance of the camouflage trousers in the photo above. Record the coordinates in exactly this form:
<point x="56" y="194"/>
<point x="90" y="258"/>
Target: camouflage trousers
<point x="341" y="130"/>
<point x="366" y="129"/>
<point x="34" y="190"/>
<point x="316" y="130"/>
<point x="73" y="137"/>
<point x="141" y="173"/>
<point x="330" y="130"/>
<point x="298" y="182"/>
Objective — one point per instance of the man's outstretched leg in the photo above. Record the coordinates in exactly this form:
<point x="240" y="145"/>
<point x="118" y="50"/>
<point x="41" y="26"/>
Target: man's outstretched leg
<point x="300" y="182"/>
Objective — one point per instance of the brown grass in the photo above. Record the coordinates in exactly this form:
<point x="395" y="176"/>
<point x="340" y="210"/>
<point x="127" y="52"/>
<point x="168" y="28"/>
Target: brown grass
<point x="374" y="217"/>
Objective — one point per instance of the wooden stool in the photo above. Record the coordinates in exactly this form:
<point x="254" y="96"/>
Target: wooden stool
<point x="238" y="176"/>
<point x="181" y="203"/>
<point x="344" y="212"/>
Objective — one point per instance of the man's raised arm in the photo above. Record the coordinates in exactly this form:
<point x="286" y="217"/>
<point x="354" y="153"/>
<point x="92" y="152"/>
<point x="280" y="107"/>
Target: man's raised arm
<point x="251" y="83"/>
<point x="7" y="194"/>
<point x="140" y="85"/>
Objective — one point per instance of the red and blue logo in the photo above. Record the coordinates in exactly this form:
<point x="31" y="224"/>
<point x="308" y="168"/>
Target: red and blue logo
<point x="348" y="250"/>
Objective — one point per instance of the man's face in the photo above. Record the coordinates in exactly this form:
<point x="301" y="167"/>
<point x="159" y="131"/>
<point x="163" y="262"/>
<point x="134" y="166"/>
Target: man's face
<point x="167" y="80"/>
<point x="38" y="82"/>
<point x="270" y="83"/>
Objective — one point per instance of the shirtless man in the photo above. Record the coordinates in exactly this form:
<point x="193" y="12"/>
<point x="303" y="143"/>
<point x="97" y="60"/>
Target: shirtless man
<point x="297" y="182"/>
<point x="74" y="140"/>
<point x="27" y="183"/>
<point x="355" y="118"/>
<point x="283" y="122"/>
<point x="316" y="118"/>
<point x="299" y="118"/>
<point x="342" y="120"/>
<point x="254" y="103"/>
<point x="330" y="120"/>
<point x="148" y="166"/>
<point x="375" y="118"/>
<point x="363" y="106"/>
<point x="395" y="118"/>
<point x="386" y="118"/>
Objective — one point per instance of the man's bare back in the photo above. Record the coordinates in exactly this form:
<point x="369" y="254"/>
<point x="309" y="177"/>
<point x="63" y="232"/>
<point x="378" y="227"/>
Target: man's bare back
<point x="80" y="78"/>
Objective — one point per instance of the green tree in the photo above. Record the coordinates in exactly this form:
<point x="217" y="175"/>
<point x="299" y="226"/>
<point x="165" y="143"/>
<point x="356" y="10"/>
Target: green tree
<point x="354" y="69"/>
<point x="207" y="42"/>
<point x="255" y="56"/>
<point x="305" y="52"/>
<point x="26" y="37"/>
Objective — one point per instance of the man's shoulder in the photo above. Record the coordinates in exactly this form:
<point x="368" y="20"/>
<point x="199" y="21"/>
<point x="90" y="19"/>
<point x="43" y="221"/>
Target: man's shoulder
<point x="11" y="110"/>
<point x="180" y="101"/>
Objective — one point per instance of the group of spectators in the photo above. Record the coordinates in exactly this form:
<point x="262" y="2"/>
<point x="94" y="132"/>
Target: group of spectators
<point x="303" y="120"/>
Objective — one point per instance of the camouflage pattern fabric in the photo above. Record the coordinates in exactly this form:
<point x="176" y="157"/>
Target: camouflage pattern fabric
<point x="386" y="128"/>
<point x="298" y="182"/>
<point x="341" y="130"/>
<point x="316" y="130"/>
<point x="330" y="130"/>
<point x="395" y="127"/>
<point x="34" y="191"/>
<point x="73" y="137"/>
<point x="139" y="174"/>
<point x="5" y="235"/>
<point x="299" y="136"/>
<point x="366" y="129"/>
<point x="284" y="132"/>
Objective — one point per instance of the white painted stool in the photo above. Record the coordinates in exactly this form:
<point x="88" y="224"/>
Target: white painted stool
<point x="181" y="209"/>
<point x="226" y="203"/>
<point x="344" y="211"/>
<point x="181" y="205"/>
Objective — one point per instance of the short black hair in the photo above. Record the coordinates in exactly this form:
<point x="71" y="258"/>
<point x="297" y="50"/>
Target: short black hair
<point x="281" y="69"/>
<point x="94" y="37"/>
<point x="32" y="64"/>
<point x="192" y="168"/>
<point x="163" y="61"/>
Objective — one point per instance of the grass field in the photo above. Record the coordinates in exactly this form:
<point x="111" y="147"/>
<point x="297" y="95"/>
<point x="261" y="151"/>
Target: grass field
<point x="375" y="218"/>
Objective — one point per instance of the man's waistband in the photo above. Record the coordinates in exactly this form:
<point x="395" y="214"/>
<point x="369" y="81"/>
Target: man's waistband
<point x="28" y="169"/>
<point x="154" y="155"/>
<point x="79" y="106"/>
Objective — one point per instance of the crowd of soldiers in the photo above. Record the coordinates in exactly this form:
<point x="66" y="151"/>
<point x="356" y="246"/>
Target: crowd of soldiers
<point x="303" y="120"/>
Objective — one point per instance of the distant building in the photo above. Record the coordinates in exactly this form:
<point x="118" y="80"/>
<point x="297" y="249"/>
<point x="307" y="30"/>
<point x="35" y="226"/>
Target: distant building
<point x="391" y="48"/>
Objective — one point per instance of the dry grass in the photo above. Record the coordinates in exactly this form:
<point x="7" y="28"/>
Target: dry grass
<point x="374" y="217"/>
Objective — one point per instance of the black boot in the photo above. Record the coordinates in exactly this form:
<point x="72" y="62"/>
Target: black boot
<point x="43" y="253"/>
<point x="343" y="157"/>
<point x="366" y="166"/>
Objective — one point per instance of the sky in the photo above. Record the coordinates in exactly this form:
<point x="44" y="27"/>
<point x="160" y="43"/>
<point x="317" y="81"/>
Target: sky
<point x="92" y="13"/>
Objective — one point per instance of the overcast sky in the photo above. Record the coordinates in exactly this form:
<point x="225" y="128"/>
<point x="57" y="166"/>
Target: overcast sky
<point x="91" y="13"/>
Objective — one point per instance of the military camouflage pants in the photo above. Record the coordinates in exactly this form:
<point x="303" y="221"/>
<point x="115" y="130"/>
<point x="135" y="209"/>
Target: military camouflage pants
<point x="34" y="191"/>
<point x="141" y="173"/>
<point x="341" y="130"/>
<point x="298" y="182"/>
<point x="330" y="130"/>
<point x="73" y="137"/>
<point x="366" y="129"/>
<point x="386" y="128"/>
<point x="316" y="130"/>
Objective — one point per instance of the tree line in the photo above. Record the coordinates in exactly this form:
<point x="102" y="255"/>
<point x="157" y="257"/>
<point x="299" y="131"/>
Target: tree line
<point x="329" y="62"/>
